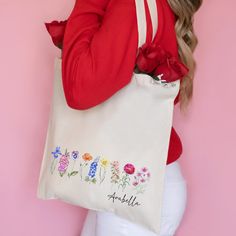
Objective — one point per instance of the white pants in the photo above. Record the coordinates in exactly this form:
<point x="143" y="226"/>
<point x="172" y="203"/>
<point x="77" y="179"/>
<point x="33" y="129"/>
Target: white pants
<point x="174" y="203"/>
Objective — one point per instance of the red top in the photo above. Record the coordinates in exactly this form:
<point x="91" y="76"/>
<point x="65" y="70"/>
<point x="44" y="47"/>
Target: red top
<point x="99" y="52"/>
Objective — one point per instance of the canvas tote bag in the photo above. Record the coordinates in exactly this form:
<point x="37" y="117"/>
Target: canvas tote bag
<point x="112" y="157"/>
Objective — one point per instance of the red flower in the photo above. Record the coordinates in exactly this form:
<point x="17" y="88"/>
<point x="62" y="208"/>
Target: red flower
<point x="56" y="29"/>
<point x="172" y="69"/>
<point x="149" y="56"/>
<point x="155" y="60"/>
<point x="129" y="169"/>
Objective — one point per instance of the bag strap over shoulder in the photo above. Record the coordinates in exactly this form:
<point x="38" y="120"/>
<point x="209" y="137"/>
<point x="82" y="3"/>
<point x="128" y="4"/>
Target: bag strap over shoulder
<point x="141" y="19"/>
<point x="154" y="15"/>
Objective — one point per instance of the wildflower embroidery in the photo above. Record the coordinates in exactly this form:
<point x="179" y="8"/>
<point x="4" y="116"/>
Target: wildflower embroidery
<point x="86" y="157"/>
<point x="92" y="171"/>
<point x="102" y="171"/>
<point x="63" y="163"/>
<point x="115" y="172"/>
<point x="140" y="180"/>
<point x="74" y="156"/>
<point x="55" y="154"/>
<point x="97" y="171"/>
<point x="128" y="170"/>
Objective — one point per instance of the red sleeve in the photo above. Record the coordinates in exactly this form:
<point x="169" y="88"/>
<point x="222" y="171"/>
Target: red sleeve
<point x="175" y="147"/>
<point x="99" y="51"/>
<point x="177" y="98"/>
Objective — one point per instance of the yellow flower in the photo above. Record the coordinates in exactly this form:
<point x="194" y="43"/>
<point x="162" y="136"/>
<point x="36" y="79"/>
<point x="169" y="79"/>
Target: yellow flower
<point x="104" y="162"/>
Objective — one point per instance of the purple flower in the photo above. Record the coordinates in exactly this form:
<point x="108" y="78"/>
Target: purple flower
<point x="74" y="155"/>
<point x="57" y="152"/>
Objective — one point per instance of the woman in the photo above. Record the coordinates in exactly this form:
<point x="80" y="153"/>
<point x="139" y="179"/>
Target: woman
<point x="99" y="58"/>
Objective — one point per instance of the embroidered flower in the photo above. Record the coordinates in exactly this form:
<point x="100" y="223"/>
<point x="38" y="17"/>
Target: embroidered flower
<point x="129" y="169"/>
<point x="125" y="179"/>
<point x="55" y="155"/>
<point x="56" y="29"/>
<point x="135" y="183"/>
<point x="87" y="157"/>
<point x="93" y="167"/>
<point x="154" y="60"/>
<point x="63" y="163"/>
<point x="144" y="169"/>
<point x="102" y="170"/>
<point x="115" y="172"/>
<point x="57" y="152"/>
<point x="74" y="155"/>
<point x="140" y="180"/>
<point x="104" y="162"/>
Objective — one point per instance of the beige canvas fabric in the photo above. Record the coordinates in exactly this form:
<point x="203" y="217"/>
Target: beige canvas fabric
<point x="112" y="157"/>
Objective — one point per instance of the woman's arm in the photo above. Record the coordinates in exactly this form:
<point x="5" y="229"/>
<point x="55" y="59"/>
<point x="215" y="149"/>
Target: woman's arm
<point x="99" y="50"/>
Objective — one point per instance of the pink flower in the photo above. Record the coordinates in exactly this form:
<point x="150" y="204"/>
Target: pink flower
<point x="129" y="168"/>
<point x="144" y="169"/>
<point x="63" y="163"/>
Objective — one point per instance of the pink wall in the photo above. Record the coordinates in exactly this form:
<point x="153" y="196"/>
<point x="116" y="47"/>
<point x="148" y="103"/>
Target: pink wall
<point x="207" y="132"/>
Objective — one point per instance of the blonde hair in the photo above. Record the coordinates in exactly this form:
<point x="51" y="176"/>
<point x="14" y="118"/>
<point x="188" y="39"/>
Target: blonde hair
<point x="187" y="42"/>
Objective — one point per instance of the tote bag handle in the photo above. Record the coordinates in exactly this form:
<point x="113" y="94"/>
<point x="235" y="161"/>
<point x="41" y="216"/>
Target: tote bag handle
<point x="141" y="19"/>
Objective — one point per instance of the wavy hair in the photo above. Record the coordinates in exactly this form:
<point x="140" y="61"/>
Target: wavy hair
<point x="187" y="42"/>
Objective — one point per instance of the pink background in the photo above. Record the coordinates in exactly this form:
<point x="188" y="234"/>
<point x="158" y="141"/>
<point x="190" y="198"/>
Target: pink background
<point x="207" y="132"/>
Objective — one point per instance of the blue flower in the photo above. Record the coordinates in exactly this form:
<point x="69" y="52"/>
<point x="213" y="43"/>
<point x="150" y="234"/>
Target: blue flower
<point x="93" y="167"/>
<point x="57" y="152"/>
